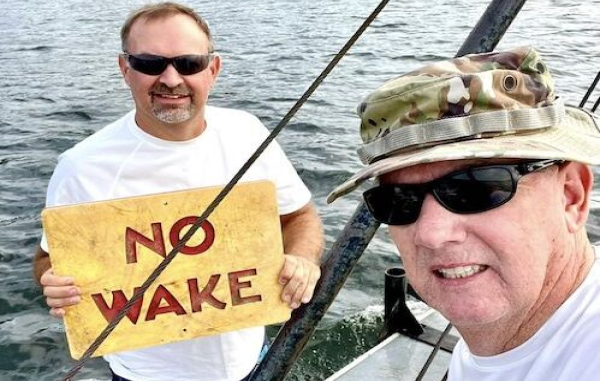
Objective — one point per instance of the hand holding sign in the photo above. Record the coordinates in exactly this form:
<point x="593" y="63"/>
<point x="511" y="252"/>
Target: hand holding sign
<point x="60" y="292"/>
<point x="299" y="277"/>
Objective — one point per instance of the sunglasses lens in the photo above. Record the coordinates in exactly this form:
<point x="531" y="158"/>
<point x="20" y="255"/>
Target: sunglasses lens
<point x="147" y="63"/>
<point x="475" y="190"/>
<point x="470" y="191"/>
<point x="154" y="65"/>
<point x="395" y="204"/>
<point x="191" y="64"/>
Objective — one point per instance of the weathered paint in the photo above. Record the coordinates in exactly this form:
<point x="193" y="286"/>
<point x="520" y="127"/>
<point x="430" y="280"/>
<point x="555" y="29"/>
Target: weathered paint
<point x="224" y="279"/>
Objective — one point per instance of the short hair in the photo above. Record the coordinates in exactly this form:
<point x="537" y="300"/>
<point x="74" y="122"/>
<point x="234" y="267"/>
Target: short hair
<point x="163" y="10"/>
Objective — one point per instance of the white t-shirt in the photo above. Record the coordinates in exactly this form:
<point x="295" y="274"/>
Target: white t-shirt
<point x="121" y="160"/>
<point x="566" y="348"/>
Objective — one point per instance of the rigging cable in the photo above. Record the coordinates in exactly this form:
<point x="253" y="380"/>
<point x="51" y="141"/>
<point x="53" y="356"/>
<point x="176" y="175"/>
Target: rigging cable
<point x="433" y="353"/>
<point x="169" y="258"/>
<point x="589" y="92"/>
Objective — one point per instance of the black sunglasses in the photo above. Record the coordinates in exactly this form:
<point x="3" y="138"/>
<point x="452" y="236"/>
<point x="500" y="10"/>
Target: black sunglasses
<point x="467" y="191"/>
<point x="151" y="64"/>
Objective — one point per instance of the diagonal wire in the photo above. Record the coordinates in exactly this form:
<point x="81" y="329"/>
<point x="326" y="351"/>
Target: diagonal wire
<point x="433" y="353"/>
<point x="589" y="92"/>
<point x="169" y="258"/>
<point x="595" y="106"/>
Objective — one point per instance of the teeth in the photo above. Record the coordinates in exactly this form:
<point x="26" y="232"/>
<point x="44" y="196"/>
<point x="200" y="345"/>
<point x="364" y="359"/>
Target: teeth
<point x="170" y="96"/>
<point x="460" y="272"/>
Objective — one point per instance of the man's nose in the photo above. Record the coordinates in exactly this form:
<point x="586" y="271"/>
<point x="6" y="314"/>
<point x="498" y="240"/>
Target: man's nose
<point x="437" y="226"/>
<point x="171" y="77"/>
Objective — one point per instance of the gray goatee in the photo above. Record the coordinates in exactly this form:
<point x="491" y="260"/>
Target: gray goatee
<point x="173" y="115"/>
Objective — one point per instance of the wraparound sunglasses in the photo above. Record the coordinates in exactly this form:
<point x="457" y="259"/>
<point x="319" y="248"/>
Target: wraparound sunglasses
<point x="151" y="64"/>
<point x="467" y="191"/>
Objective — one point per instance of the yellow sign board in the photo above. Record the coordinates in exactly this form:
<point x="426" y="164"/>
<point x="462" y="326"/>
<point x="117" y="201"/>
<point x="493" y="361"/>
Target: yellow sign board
<point x="224" y="278"/>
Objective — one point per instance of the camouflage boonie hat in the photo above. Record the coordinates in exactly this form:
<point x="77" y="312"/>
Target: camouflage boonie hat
<point x="492" y="105"/>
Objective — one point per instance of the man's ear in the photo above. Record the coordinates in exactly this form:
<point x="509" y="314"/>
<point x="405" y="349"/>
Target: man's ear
<point x="215" y="67"/>
<point x="124" y="68"/>
<point x="577" y="190"/>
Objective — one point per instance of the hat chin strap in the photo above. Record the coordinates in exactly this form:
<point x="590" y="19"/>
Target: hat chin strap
<point x="476" y="126"/>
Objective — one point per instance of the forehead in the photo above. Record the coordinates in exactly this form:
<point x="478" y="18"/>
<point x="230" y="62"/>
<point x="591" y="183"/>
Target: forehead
<point x="173" y="33"/>
<point x="429" y="171"/>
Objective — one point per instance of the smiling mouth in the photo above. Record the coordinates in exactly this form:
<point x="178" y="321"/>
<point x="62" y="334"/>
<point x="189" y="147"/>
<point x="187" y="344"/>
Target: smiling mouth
<point x="171" y="96"/>
<point x="460" y="271"/>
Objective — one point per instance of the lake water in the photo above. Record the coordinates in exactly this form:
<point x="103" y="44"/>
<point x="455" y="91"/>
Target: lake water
<point x="60" y="83"/>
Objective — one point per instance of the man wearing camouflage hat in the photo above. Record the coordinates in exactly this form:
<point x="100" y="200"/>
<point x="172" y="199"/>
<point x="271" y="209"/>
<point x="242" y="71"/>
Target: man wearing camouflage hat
<point x="484" y="179"/>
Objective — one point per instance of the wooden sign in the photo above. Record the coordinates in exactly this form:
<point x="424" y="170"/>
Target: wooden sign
<point x="225" y="278"/>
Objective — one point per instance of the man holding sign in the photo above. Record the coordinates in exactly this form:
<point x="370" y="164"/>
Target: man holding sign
<point x="174" y="141"/>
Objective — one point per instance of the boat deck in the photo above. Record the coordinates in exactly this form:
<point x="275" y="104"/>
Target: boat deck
<point x="399" y="358"/>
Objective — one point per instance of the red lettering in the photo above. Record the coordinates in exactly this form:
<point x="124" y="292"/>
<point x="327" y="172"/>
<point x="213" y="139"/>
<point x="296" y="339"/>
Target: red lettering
<point x="155" y="308"/>
<point x="163" y="301"/>
<point x="119" y="301"/>
<point x="197" y="298"/>
<point x="209" y="235"/>
<point x="235" y="286"/>
<point x="156" y="244"/>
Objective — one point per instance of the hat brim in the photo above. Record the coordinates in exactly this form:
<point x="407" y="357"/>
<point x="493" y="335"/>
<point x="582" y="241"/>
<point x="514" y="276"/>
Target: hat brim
<point x="577" y="138"/>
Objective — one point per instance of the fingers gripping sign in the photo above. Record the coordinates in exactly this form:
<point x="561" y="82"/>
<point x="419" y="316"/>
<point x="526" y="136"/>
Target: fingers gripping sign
<point x="60" y="292"/>
<point x="299" y="277"/>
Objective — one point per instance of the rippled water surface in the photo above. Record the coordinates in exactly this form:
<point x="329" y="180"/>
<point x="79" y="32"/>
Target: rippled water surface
<point x="60" y="83"/>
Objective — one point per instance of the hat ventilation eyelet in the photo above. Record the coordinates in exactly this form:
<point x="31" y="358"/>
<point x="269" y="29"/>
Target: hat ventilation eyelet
<point x="509" y="83"/>
<point x="540" y="67"/>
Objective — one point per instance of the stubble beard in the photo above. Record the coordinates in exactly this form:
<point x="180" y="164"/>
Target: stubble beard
<point x="173" y="115"/>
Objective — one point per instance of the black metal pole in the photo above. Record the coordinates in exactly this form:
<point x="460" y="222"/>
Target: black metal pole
<point x="357" y="234"/>
<point x="340" y="261"/>
<point x="491" y="26"/>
